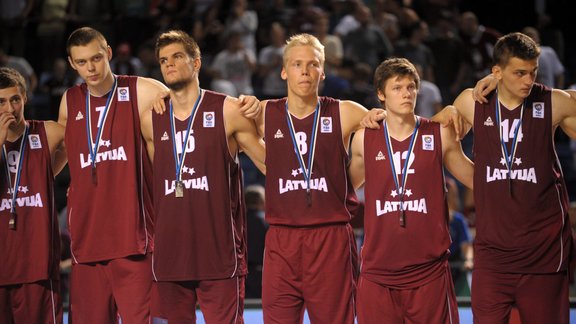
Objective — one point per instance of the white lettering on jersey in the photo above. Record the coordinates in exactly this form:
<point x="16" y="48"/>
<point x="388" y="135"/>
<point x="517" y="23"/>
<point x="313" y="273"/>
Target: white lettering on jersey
<point x="28" y="201"/>
<point x="291" y="185"/>
<point x="197" y="183"/>
<point x="117" y="154"/>
<point x="528" y="175"/>
<point x="418" y="205"/>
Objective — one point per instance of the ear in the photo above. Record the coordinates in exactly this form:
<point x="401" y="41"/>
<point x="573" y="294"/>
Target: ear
<point x="381" y="96"/>
<point x="71" y="63"/>
<point x="109" y="52"/>
<point x="323" y="76"/>
<point x="497" y="72"/>
<point x="283" y="74"/>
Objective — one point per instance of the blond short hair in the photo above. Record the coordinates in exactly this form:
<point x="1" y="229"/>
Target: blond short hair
<point x="305" y="40"/>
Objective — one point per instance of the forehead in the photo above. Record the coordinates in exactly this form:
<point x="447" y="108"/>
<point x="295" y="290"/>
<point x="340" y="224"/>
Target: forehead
<point x="400" y="80"/>
<point x="303" y="53"/>
<point x="9" y="92"/>
<point x="171" y="49"/>
<point x="86" y="51"/>
<point x="515" y="64"/>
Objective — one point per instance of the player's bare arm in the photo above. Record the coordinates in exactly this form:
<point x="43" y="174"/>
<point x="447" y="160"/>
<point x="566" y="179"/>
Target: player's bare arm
<point x="242" y="134"/>
<point x="147" y="130"/>
<point x="464" y="106"/>
<point x="55" y="137"/>
<point x="483" y="87"/>
<point x="459" y="165"/>
<point x="149" y="95"/>
<point x="351" y="114"/>
<point x="249" y="106"/>
<point x="260" y="119"/>
<point x="6" y="118"/>
<point x="63" y="110"/>
<point x="356" y="169"/>
<point x="564" y="111"/>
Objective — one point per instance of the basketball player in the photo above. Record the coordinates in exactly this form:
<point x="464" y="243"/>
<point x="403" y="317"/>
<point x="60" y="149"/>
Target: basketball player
<point x="200" y="240"/>
<point x="523" y="240"/>
<point x="405" y="275"/>
<point x="310" y="258"/>
<point x="32" y="153"/>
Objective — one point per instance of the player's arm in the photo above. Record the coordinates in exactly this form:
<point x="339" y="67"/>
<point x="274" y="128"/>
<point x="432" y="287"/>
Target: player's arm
<point x="564" y="111"/>
<point x="259" y="120"/>
<point x="351" y="114"/>
<point x="63" y="110"/>
<point x="459" y="165"/>
<point x="356" y="170"/>
<point x="150" y="91"/>
<point x="250" y="106"/>
<point x="55" y="137"/>
<point x="146" y="127"/>
<point x="244" y="132"/>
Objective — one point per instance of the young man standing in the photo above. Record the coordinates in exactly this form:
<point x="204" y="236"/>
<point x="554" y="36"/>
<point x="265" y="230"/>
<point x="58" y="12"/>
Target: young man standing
<point x="523" y="242"/>
<point x="32" y="153"/>
<point x="200" y="252"/>
<point x="109" y="204"/>
<point x="310" y="259"/>
<point x="405" y="275"/>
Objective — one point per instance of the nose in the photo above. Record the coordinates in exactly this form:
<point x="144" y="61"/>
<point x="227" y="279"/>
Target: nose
<point x="91" y="66"/>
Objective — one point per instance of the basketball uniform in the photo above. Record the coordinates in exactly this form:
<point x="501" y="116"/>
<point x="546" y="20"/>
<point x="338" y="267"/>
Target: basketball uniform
<point x="110" y="211"/>
<point x="200" y="242"/>
<point x="522" y="214"/>
<point x="29" y="284"/>
<point x="406" y="259"/>
<point x="310" y="257"/>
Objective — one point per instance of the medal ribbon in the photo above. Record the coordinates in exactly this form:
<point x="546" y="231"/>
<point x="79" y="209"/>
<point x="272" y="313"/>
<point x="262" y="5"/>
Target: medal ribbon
<point x="180" y="161"/>
<point x="307" y="169"/>
<point x="400" y="187"/>
<point x="18" y="168"/>
<point x="508" y="158"/>
<point x="95" y="146"/>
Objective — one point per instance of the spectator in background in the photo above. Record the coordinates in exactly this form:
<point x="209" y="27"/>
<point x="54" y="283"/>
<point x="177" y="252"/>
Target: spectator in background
<point x="550" y="69"/>
<point x="53" y="84"/>
<point x="244" y="23"/>
<point x="257" y="227"/>
<point x="150" y="67"/>
<point x="234" y="64"/>
<point x="479" y="42"/>
<point x="367" y="43"/>
<point x="429" y="98"/>
<point x="332" y="44"/>
<point x="21" y="65"/>
<point x="414" y="49"/>
<point x="14" y="16"/>
<point x="124" y="62"/>
<point x="270" y="64"/>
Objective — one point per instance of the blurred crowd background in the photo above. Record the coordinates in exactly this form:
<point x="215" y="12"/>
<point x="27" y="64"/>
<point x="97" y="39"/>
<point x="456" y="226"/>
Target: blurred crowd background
<point x="450" y="41"/>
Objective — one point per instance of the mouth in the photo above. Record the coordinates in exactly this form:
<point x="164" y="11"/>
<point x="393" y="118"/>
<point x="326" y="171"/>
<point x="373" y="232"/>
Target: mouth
<point x="93" y="78"/>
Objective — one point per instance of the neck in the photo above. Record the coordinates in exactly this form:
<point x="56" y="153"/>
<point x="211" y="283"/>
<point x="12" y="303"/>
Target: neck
<point x="302" y="107"/>
<point x="183" y="100"/>
<point x="508" y="100"/>
<point x="16" y="130"/>
<point x="104" y="87"/>
<point x="400" y="127"/>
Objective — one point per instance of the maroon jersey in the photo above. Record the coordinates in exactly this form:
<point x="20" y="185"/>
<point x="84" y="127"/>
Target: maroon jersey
<point x="333" y="199"/>
<point x="110" y="218"/>
<point x="32" y="251"/>
<point x="395" y="256"/>
<point x="521" y="215"/>
<point x="201" y="235"/>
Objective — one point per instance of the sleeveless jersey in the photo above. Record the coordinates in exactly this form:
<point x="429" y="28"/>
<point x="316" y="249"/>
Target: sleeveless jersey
<point x="110" y="218"/>
<point x="405" y="257"/>
<point x="333" y="199"/>
<point x="522" y="215"/>
<point x="202" y="235"/>
<point x="32" y="251"/>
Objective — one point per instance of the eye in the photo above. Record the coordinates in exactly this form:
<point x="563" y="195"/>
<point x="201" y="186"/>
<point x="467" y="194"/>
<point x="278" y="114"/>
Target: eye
<point x="162" y="61"/>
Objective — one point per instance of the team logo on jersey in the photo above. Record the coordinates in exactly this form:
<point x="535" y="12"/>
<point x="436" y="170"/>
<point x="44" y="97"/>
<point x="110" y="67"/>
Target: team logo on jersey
<point x="208" y="119"/>
<point x="380" y="156"/>
<point x="537" y="110"/>
<point x="326" y="123"/>
<point x="34" y="140"/>
<point x="488" y="122"/>
<point x="428" y="142"/>
<point x="164" y="137"/>
<point x="34" y="200"/>
<point x="123" y="94"/>
<point x="278" y="134"/>
<point x="79" y="116"/>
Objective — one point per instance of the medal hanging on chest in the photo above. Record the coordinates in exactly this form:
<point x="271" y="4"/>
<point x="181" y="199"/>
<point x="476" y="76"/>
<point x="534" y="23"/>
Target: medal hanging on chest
<point x="94" y="144"/>
<point x="401" y="185"/>
<point x="179" y="160"/>
<point x="306" y="169"/>
<point x="13" y="221"/>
